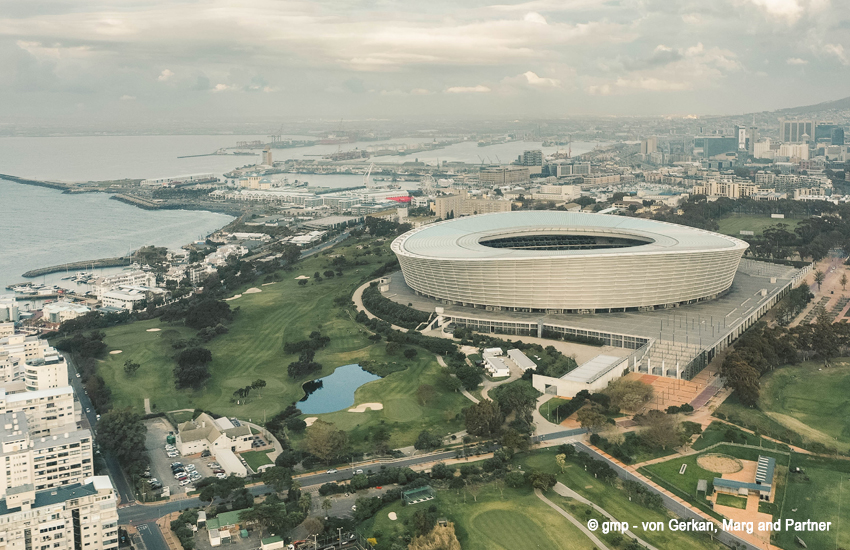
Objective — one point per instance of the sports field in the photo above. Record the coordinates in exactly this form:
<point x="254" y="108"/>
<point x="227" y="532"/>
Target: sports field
<point x="253" y="348"/>
<point x="735" y="224"/>
<point x="510" y="520"/>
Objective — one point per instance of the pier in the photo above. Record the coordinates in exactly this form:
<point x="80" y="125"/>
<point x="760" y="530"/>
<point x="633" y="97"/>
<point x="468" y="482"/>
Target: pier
<point x="74" y="266"/>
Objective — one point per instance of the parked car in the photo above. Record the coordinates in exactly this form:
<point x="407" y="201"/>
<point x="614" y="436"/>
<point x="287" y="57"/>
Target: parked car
<point x="206" y="453"/>
<point x="184" y="482"/>
<point x="221" y="476"/>
<point x="78" y="375"/>
<point x="153" y="480"/>
<point x="172" y="455"/>
<point x="190" y="467"/>
<point x="156" y="486"/>
<point x="176" y="464"/>
<point x="218" y="471"/>
<point x="181" y="477"/>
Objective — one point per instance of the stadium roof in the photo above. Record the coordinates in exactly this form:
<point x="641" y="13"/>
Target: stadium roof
<point x="462" y="238"/>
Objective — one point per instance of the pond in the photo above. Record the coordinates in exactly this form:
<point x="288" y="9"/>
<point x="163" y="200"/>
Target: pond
<point x="335" y="392"/>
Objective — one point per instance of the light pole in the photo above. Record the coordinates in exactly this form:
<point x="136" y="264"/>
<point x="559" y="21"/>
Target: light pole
<point x="339" y="531"/>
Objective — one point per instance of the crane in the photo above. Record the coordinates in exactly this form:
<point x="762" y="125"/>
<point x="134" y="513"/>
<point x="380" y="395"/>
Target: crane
<point x="366" y="183"/>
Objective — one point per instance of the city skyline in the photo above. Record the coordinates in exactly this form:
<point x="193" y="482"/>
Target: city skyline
<point x="155" y="60"/>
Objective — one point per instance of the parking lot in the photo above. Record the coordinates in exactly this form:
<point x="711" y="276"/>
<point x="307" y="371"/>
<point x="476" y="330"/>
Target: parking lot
<point x="155" y="441"/>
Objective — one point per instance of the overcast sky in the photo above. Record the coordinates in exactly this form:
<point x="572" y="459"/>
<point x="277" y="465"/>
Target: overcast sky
<point x="158" y="59"/>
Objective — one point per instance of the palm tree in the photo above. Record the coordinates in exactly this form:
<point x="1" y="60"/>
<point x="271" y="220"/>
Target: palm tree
<point x="843" y="280"/>
<point x="819" y="277"/>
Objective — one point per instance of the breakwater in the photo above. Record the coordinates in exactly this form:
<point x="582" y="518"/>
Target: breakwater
<point x="73" y="266"/>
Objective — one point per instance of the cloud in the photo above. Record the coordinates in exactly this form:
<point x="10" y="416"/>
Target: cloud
<point x="224" y="88"/>
<point x="534" y="17"/>
<point x="837" y="50"/>
<point x="796" y="61"/>
<point x="468" y="89"/>
<point x="415" y="91"/>
<point x="165" y="75"/>
<point x="126" y="97"/>
<point x="202" y="83"/>
<point x="790" y="10"/>
<point x="541" y="82"/>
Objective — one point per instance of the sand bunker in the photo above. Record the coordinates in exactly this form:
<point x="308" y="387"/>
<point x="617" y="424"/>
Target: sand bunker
<point x="272" y="283"/>
<point x="253" y="290"/>
<point x="364" y="406"/>
<point x="153" y="330"/>
<point x="722" y="464"/>
<point x="232" y="297"/>
<point x="301" y="277"/>
<point x="393" y="516"/>
<point x="309" y="421"/>
<point x="115" y="352"/>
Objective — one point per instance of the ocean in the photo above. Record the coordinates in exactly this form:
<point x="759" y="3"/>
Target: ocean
<point x="40" y="227"/>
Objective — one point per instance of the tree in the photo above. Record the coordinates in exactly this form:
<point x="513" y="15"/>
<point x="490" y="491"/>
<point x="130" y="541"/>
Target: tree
<point x="327" y="504"/>
<point x="591" y="419"/>
<point x="305" y="502"/>
<point x="561" y="461"/>
<point x="131" y="367"/>
<point x="258" y="384"/>
<point x="629" y="395"/>
<point x="325" y="441"/>
<point x="542" y="480"/>
<point x="515" y="441"/>
<point x="191" y="370"/>
<point x="441" y="537"/>
<point x="313" y="526"/>
<point x="207" y="313"/>
<point x="425" y="393"/>
<point x="122" y="432"/>
<point x="843" y="280"/>
<point x="518" y="397"/>
<point x="278" y="478"/>
<point x="427" y="441"/>
<point x="483" y="418"/>
<point x="819" y="277"/>
<point x="410" y="353"/>
<point x="290" y="253"/>
<point x="660" y="430"/>
<point x="741" y="377"/>
<point x="381" y="438"/>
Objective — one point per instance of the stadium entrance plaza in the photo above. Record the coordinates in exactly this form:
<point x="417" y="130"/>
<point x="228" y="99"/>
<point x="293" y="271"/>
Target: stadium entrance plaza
<point x="678" y="334"/>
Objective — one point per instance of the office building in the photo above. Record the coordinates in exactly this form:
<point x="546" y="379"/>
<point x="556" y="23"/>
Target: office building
<point x="794" y="131"/>
<point x="503" y="175"/>
<point x="649" y="145"/>
<point x="455" y="206"/>
<point x="531" y="158"/>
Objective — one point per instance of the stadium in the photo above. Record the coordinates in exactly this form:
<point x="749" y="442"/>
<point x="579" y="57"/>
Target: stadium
<point x="566" y="262"/>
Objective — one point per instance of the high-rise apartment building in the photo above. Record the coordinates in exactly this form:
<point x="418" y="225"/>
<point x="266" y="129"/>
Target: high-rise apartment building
<point x="455" y="206"/>
<point x="80" y="516"/>
<point x="531" y="158"/>
<point x="649" y="145"/>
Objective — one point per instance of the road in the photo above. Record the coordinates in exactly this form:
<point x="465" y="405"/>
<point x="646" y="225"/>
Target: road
<point x="145" y="513"/>
<point x="89" y="420"/>
<point x="316" y="249"/>
<point x="151" y="536"/>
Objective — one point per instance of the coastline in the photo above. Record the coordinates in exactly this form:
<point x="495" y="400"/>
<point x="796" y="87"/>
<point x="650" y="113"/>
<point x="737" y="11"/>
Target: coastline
<point x="91" y="187"/>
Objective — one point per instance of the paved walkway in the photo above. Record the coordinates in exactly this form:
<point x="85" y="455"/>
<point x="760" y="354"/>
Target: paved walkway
<point x="465" y="393"/>
<point x="599" y="544"/>
<point x="357" y="298"/>
<point x="565" y="491"/>
<point x="543" y="426"/>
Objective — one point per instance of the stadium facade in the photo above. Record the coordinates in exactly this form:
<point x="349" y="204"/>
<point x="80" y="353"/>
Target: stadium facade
<point x="566" y="262"/>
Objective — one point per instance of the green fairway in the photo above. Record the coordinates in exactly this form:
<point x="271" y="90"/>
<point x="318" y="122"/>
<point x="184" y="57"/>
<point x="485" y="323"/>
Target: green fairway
<point x="510" y="520"/>
<point x="253" y="349"/>
<point x="812" y="402"/>
<point x="255" y="459"/>
<point x="616" y="503"/>
<point x="732" y="501"/>
<point x="756" y="223"/>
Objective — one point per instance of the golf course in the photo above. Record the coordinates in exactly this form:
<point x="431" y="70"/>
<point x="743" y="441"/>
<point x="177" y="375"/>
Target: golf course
<point x="282" y="311"/>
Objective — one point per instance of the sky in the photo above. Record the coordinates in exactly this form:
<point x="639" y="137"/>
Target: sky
<point x="132" y="60"/>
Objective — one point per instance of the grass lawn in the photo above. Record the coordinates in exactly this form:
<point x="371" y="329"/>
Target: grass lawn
<point x="716" y="433"/>
<point x="811" y="402"/>
<point x="547" y="409"/>
<point x="817" y="494"/>
<point x="178" y="417"/>
<point x="402" y="413"/>
<point x="616" y="503"/>
<point x="255" y="459"/>
<point x="733" y="225"/>
<point x="253" y="348"/>
<point x="508" y="521"/>
<point x="732" y="501"/>
<point x="684" y="485"/>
